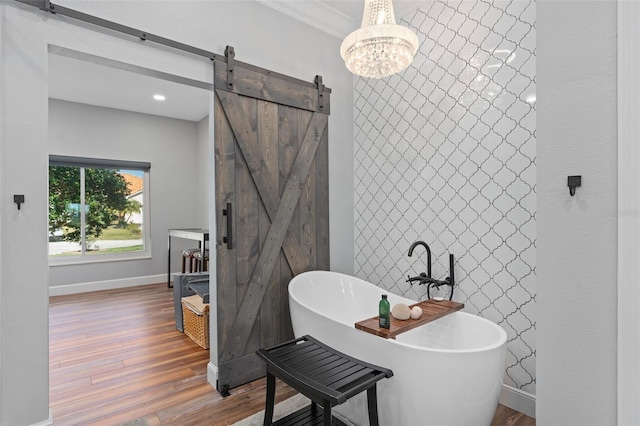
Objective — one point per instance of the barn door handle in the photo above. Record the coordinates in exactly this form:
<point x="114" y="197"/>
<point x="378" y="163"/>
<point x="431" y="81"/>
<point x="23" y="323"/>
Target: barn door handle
<point x="228" y="212"/>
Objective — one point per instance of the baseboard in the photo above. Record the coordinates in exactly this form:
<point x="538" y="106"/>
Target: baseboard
<point x="212" y="375"/>
<point x="518" y="400"/>
<point x="47" y="422"/>
<point x="60" y="290"/>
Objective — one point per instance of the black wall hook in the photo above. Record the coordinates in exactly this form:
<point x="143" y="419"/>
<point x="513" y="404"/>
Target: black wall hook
<point x="573" y="182"/>
<point x="18" y="199"/>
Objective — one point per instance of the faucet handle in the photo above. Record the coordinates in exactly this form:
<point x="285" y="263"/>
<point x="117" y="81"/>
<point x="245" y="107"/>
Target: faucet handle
<point x="420" y="278"/>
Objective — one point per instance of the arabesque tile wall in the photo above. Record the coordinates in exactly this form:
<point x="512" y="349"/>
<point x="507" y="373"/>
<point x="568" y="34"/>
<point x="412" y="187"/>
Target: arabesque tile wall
<point x="445" y="152"/>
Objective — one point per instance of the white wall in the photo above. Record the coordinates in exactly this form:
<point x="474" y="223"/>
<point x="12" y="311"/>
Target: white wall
<point x="576" y="78"/>
<point x="260" y="36"/>
<point x="24" y="370"/>
<point x="170" y="145"/>
<point x="204" y="166"/>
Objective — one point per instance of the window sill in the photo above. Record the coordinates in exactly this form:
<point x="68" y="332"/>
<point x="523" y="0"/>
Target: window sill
<point x="77" y="260"/>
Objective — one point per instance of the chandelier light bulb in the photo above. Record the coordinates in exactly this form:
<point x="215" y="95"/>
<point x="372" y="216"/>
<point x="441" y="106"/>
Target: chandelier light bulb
<point x="380" y="47"/>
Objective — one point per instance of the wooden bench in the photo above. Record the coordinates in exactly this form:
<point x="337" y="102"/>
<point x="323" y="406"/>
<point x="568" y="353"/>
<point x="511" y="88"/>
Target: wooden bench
<point x="325" y="376"/>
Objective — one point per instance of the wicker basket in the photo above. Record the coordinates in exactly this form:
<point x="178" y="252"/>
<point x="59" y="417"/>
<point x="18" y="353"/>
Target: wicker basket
<point x="195" y="316"/>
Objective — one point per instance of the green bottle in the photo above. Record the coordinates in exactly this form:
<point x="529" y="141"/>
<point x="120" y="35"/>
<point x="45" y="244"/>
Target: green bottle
<point x="384" y="309"/>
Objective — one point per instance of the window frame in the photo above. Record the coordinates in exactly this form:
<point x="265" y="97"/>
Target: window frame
<point x="83" y="163"/>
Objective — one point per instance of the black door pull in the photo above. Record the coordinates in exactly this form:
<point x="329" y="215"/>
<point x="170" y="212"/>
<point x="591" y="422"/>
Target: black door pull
<point x="228" y="212"/>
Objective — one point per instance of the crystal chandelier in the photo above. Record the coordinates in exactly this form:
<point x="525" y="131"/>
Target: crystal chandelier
<point x="379" y="47"/>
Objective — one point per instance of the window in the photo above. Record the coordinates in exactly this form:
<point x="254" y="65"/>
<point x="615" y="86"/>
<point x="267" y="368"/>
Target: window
<point x="97" y="209"/>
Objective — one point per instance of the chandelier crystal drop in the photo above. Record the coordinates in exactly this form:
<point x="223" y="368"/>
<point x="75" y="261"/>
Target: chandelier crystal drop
<point x="380" y="47"/>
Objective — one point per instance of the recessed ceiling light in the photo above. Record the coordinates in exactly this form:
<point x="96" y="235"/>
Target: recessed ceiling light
<point x="159" y="97"/>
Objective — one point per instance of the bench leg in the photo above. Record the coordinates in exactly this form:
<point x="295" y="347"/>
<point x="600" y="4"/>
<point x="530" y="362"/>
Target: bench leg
<point x="271" y="399"/>
<point x="372" y="403"/>
<point x="327" y="413"/>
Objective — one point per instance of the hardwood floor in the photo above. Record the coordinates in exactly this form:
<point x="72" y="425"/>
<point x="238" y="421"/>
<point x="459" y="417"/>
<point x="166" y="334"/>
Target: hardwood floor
<point x="116" y="356"/>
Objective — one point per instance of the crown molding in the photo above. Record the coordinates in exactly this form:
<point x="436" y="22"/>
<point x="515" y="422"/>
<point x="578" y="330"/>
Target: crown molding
<point x="317" y="14"/>
<point x="336" y="18"/>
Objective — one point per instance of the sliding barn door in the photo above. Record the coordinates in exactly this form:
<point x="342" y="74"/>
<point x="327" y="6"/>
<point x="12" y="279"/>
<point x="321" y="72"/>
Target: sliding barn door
<point x="272" y="208"/>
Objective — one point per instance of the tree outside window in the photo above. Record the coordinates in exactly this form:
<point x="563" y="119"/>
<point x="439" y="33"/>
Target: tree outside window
<point x="95" y="210"/>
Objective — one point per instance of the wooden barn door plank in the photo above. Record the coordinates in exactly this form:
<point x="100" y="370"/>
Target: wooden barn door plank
<point x="270" y="88"/>
<point x="322" y="203"/>
<point x="288" y="148"/>
<point x="225" y="193"/>
<point x="247" y="217"/>
<point x="307" y="205"/>
<point x="272" y="304"/>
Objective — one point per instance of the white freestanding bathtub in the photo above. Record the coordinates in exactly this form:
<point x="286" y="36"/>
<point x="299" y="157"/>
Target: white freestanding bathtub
<point x="446" y="372"/>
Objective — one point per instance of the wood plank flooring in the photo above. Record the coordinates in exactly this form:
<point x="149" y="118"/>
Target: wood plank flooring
<point x="116" y="356"/>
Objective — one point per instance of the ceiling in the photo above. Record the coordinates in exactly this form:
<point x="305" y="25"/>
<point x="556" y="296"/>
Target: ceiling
<point x="96" y="84"/>
<point x="93" y="83"/>
<point x="335" y="17"/>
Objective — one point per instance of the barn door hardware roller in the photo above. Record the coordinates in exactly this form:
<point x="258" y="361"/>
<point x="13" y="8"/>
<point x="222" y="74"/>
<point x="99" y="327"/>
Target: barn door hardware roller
<point x="230" y="53"/>
<point x="320" y="87"/>
<point x="46" y="6"/>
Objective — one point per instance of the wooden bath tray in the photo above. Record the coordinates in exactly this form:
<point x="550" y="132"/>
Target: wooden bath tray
<point x="431" y="310"/>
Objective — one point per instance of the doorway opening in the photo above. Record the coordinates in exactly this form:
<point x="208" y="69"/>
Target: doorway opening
<point x="104" y="110"/>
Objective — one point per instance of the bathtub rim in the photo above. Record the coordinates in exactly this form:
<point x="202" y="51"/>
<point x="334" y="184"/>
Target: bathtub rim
<point x="501" y="341"/>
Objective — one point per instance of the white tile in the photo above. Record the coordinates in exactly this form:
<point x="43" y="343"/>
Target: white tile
<point x="445" y="152"/>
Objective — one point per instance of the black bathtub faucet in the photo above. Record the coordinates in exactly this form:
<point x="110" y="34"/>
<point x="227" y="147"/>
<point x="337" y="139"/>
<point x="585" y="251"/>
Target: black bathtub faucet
<point x="425" y="245"/>
<point x="425" y="278"/>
